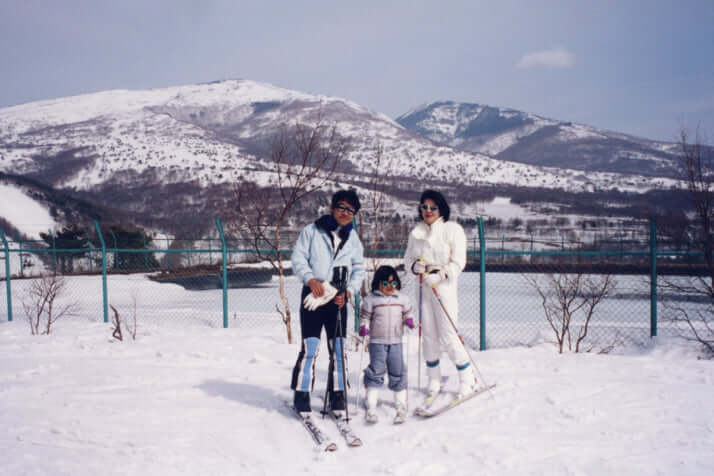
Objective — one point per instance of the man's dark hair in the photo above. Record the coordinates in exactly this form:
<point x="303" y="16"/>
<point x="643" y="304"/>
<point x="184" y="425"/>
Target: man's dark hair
<point x="382" y="274"/>
<point x="349" y="196"/>
<point x="439" y="200"/>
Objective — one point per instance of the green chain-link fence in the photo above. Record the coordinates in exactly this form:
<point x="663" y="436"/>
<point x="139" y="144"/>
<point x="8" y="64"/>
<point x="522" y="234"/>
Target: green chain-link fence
<point x="504" y="294"/>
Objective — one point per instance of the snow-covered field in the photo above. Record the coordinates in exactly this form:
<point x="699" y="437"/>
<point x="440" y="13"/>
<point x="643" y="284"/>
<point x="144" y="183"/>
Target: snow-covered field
<point x="514" y="313"/>
<point x="187" y="399"/>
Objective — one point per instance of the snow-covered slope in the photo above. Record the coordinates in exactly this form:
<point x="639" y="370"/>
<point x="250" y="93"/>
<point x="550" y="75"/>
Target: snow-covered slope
<point x="216" y="132"/>
<point x="522" y="137"/>
<point x="24" y="213"/>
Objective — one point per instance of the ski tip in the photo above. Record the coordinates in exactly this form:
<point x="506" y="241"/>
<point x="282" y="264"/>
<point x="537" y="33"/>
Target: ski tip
<point x="356" y="443"/>
<point x="331" y="447"/>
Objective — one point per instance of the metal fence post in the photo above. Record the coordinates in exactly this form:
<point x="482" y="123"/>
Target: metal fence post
<point x="653" y="277"/>
<point x="224" y="253"/>
<point x="105" y="299"/>
<point x="7" y="276"/>
<point x="482" y="284"/>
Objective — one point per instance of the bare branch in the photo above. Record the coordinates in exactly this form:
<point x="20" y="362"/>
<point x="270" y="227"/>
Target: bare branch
<point x="41" y="305"/>
<point x="303" y="159"/>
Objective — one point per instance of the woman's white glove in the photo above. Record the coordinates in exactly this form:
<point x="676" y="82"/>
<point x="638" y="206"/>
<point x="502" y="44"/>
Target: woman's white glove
<point x="418" y="267"/>
<point x="434" y="278"/>
<point x="312" y="302"/>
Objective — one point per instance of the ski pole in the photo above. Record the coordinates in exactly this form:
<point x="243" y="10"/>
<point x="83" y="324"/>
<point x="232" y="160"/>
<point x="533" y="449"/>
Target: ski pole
<point x="342" y="314"/>
<point x="362" y="344"/>
<point x="340" y="277"/>
<point x="451" y="321"/>
<point x="421" y="279"/>
<point x="406" y="367"/>
<point x="334" y="356"/>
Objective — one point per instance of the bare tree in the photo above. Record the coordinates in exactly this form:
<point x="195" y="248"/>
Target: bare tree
<point x="377" y="209"/>
<point x="116" y="320"/>
<point x="130" y="326"/>
<point x="303" y="160"/>
<point x="565" y="295"/>
<point x="41" y="305"/>
<point x="697" y="321"/>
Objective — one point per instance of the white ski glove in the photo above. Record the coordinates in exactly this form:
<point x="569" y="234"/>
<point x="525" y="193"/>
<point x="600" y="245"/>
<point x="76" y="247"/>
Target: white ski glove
<point x="312" y="302"/>
<point x="434" y="278"/>
<point x="418" y="267"/>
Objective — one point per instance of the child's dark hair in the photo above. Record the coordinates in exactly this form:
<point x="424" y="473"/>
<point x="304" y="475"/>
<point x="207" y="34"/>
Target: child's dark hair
<point x="439" y="200"/>
<point x="382" y="274"/>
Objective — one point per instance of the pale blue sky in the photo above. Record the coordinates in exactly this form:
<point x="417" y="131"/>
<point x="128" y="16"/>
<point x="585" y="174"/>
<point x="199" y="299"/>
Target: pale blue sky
<point x="640" y="67"/>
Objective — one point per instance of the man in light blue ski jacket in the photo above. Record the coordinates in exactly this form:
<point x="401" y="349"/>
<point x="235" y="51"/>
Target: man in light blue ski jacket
<point x="328" y="258"/>
<point x="314" y="256"/>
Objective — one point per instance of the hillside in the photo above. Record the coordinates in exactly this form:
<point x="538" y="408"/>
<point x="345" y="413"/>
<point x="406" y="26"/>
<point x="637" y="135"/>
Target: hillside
<point x="175" y="154"/>
<point x="518" y="136"/>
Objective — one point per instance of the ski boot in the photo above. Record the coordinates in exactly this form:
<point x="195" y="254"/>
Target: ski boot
<point x="467" y="382"/>
<point x="371" y="405"/>
<point x="400" y="401"/>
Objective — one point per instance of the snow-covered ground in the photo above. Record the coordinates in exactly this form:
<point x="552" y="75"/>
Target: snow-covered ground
<point x="187" y="399"/>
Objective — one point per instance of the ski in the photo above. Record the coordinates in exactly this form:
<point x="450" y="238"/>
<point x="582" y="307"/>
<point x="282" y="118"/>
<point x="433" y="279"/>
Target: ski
<point x="345" y="430"/>
<point x="318" y="436"/>
<point x="429" y="413"/>
<point x="425" y="407"/>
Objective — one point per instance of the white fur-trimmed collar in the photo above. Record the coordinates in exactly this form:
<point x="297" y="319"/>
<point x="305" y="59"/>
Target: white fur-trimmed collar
<point x="422" y="231"/>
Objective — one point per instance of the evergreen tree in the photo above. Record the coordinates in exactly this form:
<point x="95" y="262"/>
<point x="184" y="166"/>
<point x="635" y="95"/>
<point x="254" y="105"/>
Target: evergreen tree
<point x="68" y="244"/>
<point x="133" y="239"/>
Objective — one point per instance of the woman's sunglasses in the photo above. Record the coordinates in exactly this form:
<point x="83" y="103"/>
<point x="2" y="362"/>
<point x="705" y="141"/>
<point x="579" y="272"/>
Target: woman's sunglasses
<point x="431" y="208"/>
<point x="386" y="284"/>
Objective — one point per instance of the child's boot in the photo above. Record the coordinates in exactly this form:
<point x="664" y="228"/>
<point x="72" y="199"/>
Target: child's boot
<point x="371" y="404"/>
<point x="400" y="402"/>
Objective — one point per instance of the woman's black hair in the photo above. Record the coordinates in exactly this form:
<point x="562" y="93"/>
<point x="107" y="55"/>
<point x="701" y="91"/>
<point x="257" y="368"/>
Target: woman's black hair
<point x="440" y="201"/>
<point x="349" y="196"/>
<point x="382" y="274"/>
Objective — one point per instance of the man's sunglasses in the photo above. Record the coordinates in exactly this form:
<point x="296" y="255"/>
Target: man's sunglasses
<point x="386" y="284"/>
<point x="431" y="208"/>
<point x="343" y="208"/>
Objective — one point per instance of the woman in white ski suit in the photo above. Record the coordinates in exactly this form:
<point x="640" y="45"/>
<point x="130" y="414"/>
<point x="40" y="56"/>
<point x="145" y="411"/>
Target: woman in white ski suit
<point x="437" y="250"/>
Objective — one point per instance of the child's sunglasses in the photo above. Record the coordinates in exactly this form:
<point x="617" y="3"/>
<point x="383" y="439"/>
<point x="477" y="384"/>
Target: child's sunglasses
<point x="386" y="284"/>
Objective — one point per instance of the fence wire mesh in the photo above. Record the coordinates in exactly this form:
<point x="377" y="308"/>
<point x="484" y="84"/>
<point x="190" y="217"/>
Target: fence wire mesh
<point x="525" y="289"/>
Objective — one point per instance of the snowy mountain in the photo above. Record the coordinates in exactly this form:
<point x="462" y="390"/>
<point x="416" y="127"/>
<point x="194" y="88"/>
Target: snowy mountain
<point x="522" y="137"/>
<point x="175" y="152"/>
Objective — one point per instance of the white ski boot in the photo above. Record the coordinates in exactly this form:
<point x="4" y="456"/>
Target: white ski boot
<point x="433" y="387"/>
<point x="467" y="382"/>
<point x="400" y="401"/>
<point x="371" y="405"/>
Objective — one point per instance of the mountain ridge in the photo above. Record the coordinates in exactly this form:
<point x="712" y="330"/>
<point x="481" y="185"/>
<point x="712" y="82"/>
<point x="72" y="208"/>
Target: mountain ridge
<point x="514" y="135"/>
<point x="175" y="152"/>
